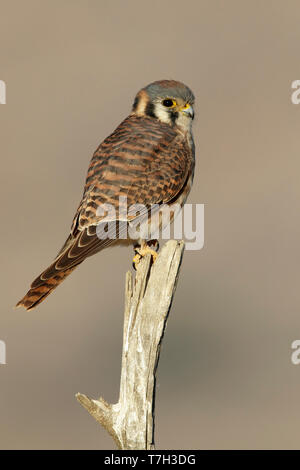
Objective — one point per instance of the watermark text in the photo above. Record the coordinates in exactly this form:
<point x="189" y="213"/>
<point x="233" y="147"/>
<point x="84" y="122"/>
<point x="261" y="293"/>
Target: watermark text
<point x="2" y="352"/>
<point x="2" y="92"/>
<point x="158" y="221"/>
<point x="295" y="97"/>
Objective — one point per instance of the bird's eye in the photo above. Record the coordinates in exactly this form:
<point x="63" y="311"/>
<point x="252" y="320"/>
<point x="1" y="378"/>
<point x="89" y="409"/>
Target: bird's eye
<point x="168" y="103"/>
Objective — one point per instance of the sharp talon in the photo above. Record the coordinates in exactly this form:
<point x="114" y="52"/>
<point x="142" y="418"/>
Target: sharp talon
<point x="153" y="254"/>
<point x="136" y="260"/>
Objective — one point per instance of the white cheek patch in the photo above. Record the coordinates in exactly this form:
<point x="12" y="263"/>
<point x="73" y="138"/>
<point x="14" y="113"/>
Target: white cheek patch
<point x="162" y="113"/>
<point x="184" y="121"/>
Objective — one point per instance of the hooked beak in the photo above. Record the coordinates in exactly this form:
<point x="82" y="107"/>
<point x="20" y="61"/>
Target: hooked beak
<point x="188" y="110"/>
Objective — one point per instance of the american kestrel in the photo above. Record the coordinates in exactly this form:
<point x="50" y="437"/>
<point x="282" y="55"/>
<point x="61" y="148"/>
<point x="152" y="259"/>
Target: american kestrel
<point x="149" y="159"/>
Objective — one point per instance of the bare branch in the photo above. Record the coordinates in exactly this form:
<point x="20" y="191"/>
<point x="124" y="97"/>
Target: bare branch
<point x="147" y="303"/>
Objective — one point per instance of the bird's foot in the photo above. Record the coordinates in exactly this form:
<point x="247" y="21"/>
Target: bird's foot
<point x="143" y="250"/>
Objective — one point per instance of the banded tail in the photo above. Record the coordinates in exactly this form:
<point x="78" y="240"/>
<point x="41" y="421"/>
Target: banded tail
<point x="75" y="250"/>
<point x="37" y="294"/>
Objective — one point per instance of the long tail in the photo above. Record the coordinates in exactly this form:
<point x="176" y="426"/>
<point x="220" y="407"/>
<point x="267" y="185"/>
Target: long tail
<point x="74" y="252"/>
<point x="36" y="295"/>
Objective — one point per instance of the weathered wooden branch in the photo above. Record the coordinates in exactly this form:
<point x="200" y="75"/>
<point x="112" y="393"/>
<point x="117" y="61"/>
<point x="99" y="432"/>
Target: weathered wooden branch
<point x="147" y="303"/>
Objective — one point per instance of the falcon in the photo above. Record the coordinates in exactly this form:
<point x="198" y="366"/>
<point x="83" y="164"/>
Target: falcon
<point x="149" y="160"/>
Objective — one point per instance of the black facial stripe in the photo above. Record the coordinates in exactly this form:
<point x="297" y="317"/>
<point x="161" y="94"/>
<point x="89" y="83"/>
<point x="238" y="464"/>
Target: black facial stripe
<point x="149" y="111"/>
<point x="135" y="104"/>
<point x="173" y="117"/>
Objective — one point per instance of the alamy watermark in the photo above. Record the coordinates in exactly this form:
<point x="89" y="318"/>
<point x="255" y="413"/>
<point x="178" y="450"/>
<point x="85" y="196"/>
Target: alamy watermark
<point x="295" y="357"/>
<point x="2" y="352"/>
<point x="141" y="222"/>
<point x="2" y="92"/>
<point x="295" y="96"/>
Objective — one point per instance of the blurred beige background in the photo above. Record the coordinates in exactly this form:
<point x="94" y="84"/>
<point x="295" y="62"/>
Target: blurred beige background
<point x="72" y="68"/>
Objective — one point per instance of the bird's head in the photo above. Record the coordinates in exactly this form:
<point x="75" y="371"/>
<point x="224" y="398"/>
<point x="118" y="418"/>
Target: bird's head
<point x="167" y="100"/>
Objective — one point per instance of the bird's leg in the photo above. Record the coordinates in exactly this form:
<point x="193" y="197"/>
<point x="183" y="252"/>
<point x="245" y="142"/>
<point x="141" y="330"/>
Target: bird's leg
<point x="144" y="248"/>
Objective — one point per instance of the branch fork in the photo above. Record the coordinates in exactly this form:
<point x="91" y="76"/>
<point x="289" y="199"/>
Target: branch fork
<point x="130" y="422"/>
